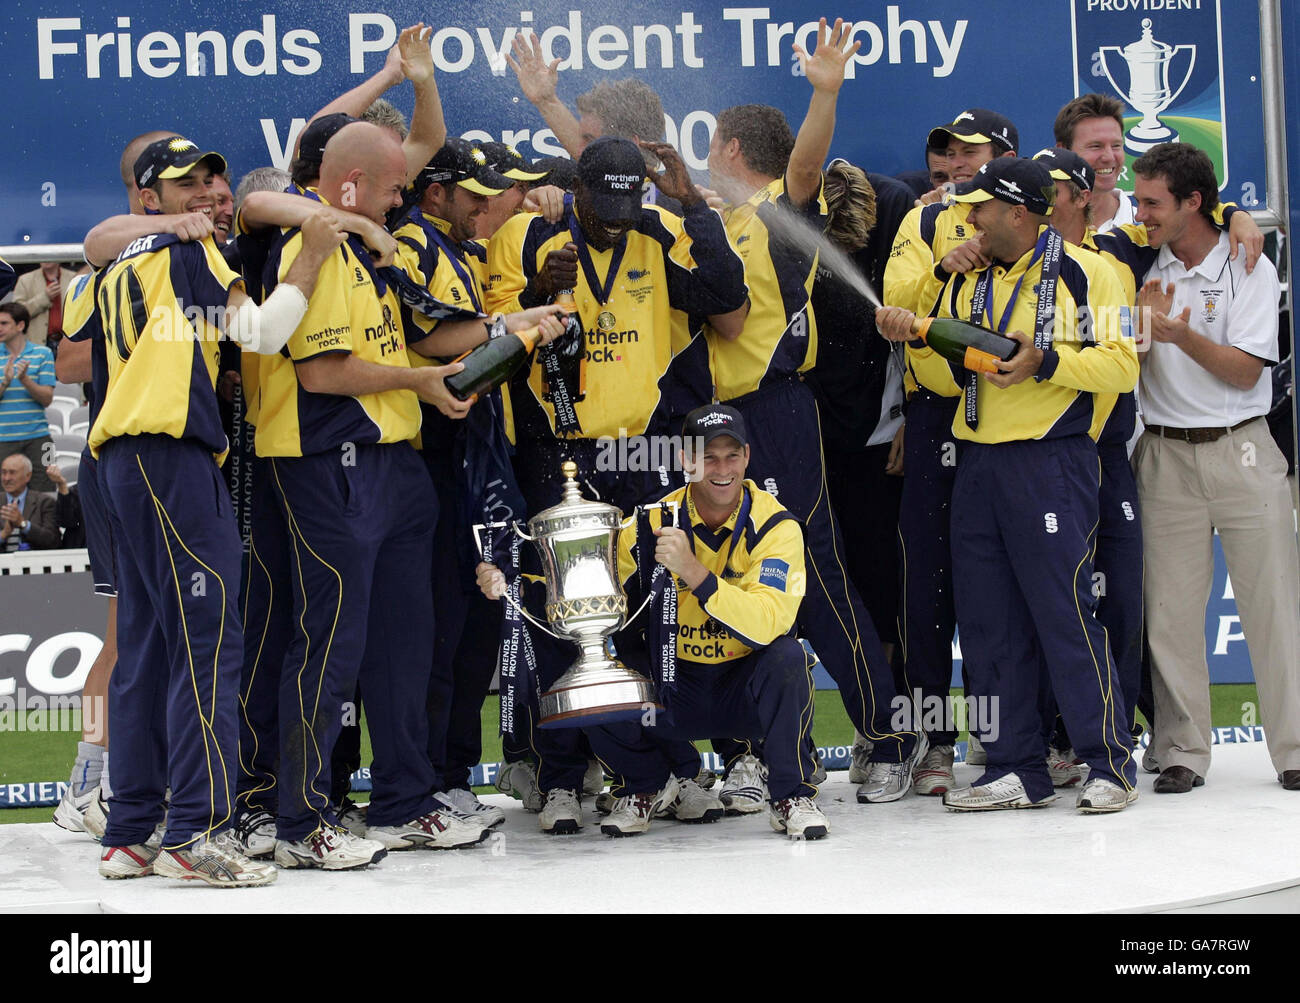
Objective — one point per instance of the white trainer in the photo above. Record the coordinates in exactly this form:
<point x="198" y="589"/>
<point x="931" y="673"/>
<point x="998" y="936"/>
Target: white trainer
<point x="933" y="775"/>
<point x="94" y="819"/>
<point x="443" y="828"/>
<point x="351" y="816"/>
<point x="745" y="789"/>
<point x="798" y="818"/>
<point x="1099" y="796"/>
<point x="255" y="831"/>
<point x="1005" y="792"/>
<point x="467" y="803"/>
<point x="562" y="813"/>
<point x="819" y="774"/>
<point x="330" y="849"/>
<point x="519" y="780"/>
<point x="130" y="861"/>
<point x="218" y="861"/>
<point x="692" y="804"/>
<point x="1065" y="769"/>
<point x="632" y="813"/>
<point x="860" y="759"/>
<point x="593" y="781"/>
<point x="72" y="807"/>
<point x="890" y="781"/>
<point x="975" y="754"/>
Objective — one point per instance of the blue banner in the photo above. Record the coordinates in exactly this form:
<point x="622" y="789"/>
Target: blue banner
<point x="81" y="79"/>
<point x="1225" y="642"/>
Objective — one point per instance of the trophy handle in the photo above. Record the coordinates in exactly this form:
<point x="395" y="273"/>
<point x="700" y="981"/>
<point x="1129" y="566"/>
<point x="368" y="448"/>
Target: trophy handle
<point x="1191" y="67"/>
<point x="530" y="618"/>
<point x="479" y="527"/>
<point x="675" y="508"/>
<point x="1105" y="68"/>
<point x="672" y="506"/>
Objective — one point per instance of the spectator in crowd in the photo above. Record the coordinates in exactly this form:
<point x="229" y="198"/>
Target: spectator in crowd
<point x="26" y="389"/>
<point x="67" y="509"/>
<point x="41" y="292"/>
<point x="27" y="519"/>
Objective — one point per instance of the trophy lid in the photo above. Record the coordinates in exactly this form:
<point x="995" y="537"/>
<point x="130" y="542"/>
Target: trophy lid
<point x="1147" y="47"/>
<point x="572" y="504"/>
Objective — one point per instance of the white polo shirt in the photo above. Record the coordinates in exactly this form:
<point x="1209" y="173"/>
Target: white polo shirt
<point x="1125" y="215"/>
<point x="1230" y="308"/>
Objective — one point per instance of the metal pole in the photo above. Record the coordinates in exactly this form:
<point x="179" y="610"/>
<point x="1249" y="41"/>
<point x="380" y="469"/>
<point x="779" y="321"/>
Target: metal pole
<point x="1271" y="38"/>
<point x="1271" y="90"/>
<point x="32" y="254"/>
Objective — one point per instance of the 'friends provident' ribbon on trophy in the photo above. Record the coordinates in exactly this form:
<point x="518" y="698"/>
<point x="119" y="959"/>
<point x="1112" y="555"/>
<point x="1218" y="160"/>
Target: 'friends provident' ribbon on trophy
<point x="659" y="584"/>
<point x="1051" y="248"/>
<point x="516" y="646"/>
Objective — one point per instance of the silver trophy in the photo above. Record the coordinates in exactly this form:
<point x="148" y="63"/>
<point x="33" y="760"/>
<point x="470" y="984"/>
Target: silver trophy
<point x="578" y="543"/>
<point x="1148" y="91"/>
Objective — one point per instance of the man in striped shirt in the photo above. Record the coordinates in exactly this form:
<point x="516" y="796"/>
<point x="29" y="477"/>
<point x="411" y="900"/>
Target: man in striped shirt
<point x="26" y="389"/>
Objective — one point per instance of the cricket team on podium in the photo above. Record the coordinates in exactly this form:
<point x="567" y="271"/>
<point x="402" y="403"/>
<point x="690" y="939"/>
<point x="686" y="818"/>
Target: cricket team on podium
<point x="348" y="285"/>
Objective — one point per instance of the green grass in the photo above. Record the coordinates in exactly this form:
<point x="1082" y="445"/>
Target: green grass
<point x="29" y="756"/>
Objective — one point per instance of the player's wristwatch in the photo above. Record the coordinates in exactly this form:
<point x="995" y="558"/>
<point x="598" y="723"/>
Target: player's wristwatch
<point x="496" y="326"/>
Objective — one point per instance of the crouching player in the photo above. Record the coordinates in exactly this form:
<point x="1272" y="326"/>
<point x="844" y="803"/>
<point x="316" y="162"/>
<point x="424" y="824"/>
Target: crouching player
<point x="737" y="562"/>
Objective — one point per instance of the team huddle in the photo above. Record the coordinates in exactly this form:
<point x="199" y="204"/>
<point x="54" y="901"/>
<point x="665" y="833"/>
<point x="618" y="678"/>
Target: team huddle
<point x="334" y="301"/>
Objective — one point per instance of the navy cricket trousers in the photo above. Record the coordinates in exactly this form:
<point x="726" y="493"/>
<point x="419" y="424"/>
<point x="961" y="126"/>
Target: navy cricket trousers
<point x="786" y="460"/>
<point x="360" y="545"/>
<point x="173" y="698"/>
<point x="768" y="694"/>
<point x="268" y="628"/>
<point x="927" y="616"/>
<point x="1024" y="523"/>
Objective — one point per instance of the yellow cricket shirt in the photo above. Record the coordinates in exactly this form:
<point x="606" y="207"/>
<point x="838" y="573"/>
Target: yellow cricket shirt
<point x="160" y="305"/>
<point x="346" y="314"/>
<point x="1086" y="359"/>
<point x="672" y="272"/>
<point x="778" y="245"/>
<point x="756" y="580"/>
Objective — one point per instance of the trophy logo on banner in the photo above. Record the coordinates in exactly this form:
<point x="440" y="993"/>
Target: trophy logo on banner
<point x="1148" y="90"/>
<point x="1167" y="68"/>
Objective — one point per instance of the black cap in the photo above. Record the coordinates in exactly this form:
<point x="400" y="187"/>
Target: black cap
<point x="1066" y="165"/>
<point x="560" y="171"/>
<point x="1013" y="180"/>
<point x="460" y="162"/>
<point x="510" y="162"/>
<point x="173" y="157"/>
<point x="319" y="131"/>
<point x="977" y="125"/>
<point x="712" y="420"/>
<point x="612" y="171"/>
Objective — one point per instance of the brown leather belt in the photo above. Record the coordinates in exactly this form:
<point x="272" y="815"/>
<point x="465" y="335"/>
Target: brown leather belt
<point x="1196" y="435"/>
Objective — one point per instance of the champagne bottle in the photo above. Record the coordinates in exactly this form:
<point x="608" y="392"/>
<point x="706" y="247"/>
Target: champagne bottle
<point x="493" y="362"/>
<point x="570" y="343"/>
<point x="976" y="348"/>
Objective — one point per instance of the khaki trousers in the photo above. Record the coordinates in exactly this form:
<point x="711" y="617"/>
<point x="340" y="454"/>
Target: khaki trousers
<point x="1238" y="486"/>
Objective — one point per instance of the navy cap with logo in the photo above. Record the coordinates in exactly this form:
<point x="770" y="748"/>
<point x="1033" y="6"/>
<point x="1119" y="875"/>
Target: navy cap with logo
<point x="319" y="131"/>
<point x="173" y="157"/>
<point x="508" y="161"/>
<point x="1013" y="180"/>
<point x="612" y="171"/>
<point x="560" y="171"/>
<point x="1066" y="165"/>
<point x="712" y="420"/>
<point x="977" y="125"/>
<point x="462" y="163"/>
